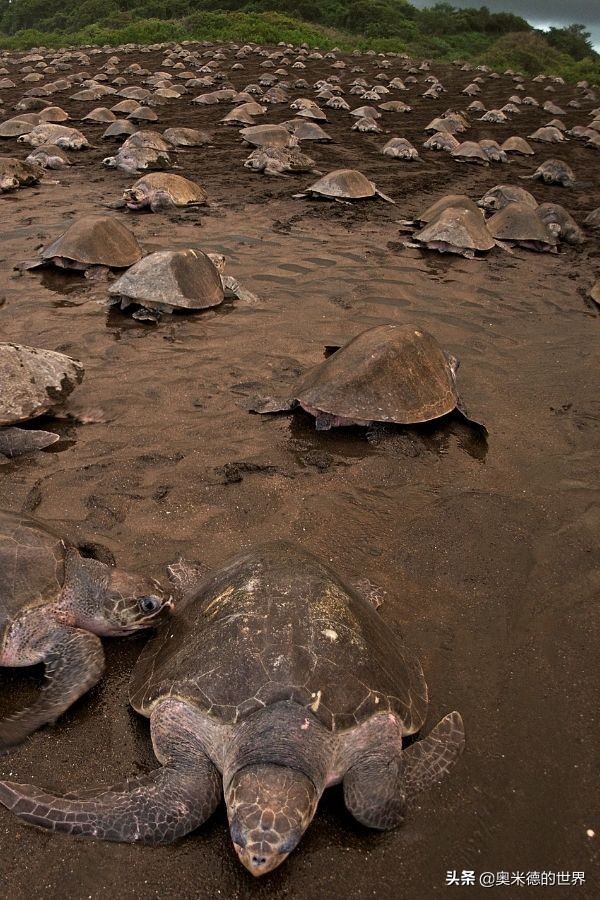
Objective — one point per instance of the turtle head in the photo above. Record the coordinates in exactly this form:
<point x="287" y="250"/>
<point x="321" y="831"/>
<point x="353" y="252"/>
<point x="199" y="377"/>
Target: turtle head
<point x="134" y="198"/>
<point x="109" y="601"/>
<point x="132" y="602"/>
<point x="269" y="808"/>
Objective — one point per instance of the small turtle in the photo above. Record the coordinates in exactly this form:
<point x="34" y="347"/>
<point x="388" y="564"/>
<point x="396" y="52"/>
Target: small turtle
<point x="274" y="681"/>
<point x="388" y="373"/>
<point x="175" y="279"/>
<point x="518" y="224"/>
<point x="400" y="148"/>
<point x="560" y="222"/>
<point x="471" y="152"/>
<point x="118" y="129"/>
<point x="343" y="184"/>
<point x="53" y="605"/>
<point x="34" y="382"/>
<point x="48" y="133"/>
<point x="308" y="131"/>
<point x="49" y="156"/>
<point x="89" y="243"/>
<point x="133" y="160"/>
<point x="366" y="125"/>
<point x="269" y="136"/>
<point x="554" y="171"/>
<point x="442" y="140"/>
<point x="14" y="173"/>
<point x="456" y="230"/>
<point x="277" y="161"/>
<point x="162" y="190"/>
<point x="547" y="135"/>
<point x="493" y="151"/>
<point x="187" y="137"/>
<point x="502" y="194"/>
<point x="517" y="145"/>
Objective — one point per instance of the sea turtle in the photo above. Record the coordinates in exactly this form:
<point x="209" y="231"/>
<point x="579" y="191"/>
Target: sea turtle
<point x="560" y="222"/>
<point x="554" y="171"/>
<point x="275" y="680"/>
<point x="304" y="130"/>
<point x="441" y="140"/>
<point x="175" y="279"/>
<point x="187" y="137"/>
<point x="61" y="135"/>
<point x="470" y="152"/>
<point x="400" y="148"/>
<point x="92" y="242"/>
<point x="34" y="382"/>
<point x="162" y="190"/>
<point x="456" y="230"/>
<point x="268" y="136"/>
<point x="502" y="194"/>
<point x="53" y="605"/>
<point x="16" y="173"/>
<point x="343" y="184"/>
<point x="518" y="224"/>
<point x="493" y="151"/>
<point x="132" y="160"/>
<point x="388" y="373"/>
<point x="277" y="161"/>
<point x="49" y="156"/>
<point x="547" y="135"/>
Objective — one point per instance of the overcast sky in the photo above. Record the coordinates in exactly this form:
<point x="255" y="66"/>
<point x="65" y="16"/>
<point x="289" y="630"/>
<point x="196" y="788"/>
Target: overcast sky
<point x="541" y="13"/>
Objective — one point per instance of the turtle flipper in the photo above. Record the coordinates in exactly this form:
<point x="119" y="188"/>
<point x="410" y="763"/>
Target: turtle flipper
<point x="15" y="441"/>
<point x="427" y="761"/>
<point x="74" y="664"/>
<point x="156" y="808"/>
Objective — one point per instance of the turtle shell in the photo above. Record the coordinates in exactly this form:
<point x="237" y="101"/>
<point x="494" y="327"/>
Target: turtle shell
<point x="96" y="241"/>
<point x="182" y="190"/>
<point x="348" y="183"/>
<point x="267" y="136"/>
<point x="389" y="373"/>
<point x="502" y="194"/>
<point x="277" y="624"/>
<point x="34" y="381"/>
<point x="181" y="279"/>
<point x="459" y="201"/>
<point x="519" y="222"/>
<point x="458" y="227"/>
<point x="304" y="130"/>
<point x="186" y="137"/>
<point x="32" y="569"/>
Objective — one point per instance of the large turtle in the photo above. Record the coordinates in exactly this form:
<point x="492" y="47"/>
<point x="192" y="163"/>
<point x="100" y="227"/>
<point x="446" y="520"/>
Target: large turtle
<point x="277" y="161"/>
<point x="389" y="373"/>
<point x="343" y="184"/>
<point x="92" y="243"/>
<point x="456" y="230"/>
<point x="519" y="225"/>
<point x="169" y="280"/>
<point x="553" y="171"/>
<point x="274" y="681"/>
<point x="163" y="190"/>
<point x="53" y="605"/>
<point x="34" y="382"/>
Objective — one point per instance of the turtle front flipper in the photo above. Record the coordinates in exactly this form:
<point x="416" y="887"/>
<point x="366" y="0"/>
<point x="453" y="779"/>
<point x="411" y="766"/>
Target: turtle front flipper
<point x="156" y="808"/>
<point x="74" y="663"/>
<point x="427" y="761"/>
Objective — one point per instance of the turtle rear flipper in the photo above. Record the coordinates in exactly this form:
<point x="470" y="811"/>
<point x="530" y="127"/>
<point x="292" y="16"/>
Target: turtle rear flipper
<point x="385" y="197"/>
<point x="265" y="405"/>
<point x="427" y="761"/>
<point x="73" y="664"/>
<point x="16" y="441"/>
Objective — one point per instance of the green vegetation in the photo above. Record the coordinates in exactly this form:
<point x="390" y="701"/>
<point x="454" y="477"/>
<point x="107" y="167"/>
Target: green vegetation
<point x="441" y="32"/>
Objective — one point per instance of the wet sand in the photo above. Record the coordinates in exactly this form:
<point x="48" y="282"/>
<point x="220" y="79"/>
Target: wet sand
<point x="487" y="554"/>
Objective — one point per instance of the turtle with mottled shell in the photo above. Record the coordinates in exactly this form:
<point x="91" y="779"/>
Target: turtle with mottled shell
<point x="54" y="603"/>
<point x="16" y="173"/>
<point x="275" y="680"/>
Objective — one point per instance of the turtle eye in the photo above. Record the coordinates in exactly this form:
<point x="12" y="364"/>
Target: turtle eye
<point x="149" y="604"/>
